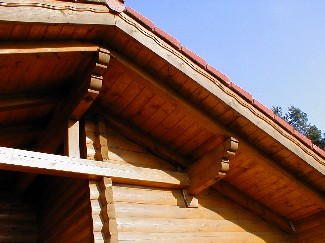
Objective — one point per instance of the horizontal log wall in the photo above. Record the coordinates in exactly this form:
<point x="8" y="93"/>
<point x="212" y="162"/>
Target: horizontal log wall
<point x="104" y="143"/>
<point x="18" y="220"/>
<point x="145" y="214"/>
<point x="64" y="214"/>
<point x="149" y="214"/>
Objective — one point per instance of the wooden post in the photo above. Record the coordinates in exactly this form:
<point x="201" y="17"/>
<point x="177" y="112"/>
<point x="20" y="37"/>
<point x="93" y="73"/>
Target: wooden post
<point x="73" y="140"/>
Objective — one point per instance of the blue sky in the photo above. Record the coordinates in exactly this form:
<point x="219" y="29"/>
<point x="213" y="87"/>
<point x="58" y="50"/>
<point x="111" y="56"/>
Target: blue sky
<point x="275" y="50"/>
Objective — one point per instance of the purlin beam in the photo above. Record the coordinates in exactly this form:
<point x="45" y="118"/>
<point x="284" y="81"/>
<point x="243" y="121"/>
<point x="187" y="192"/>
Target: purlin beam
<point x="49" y="164"/>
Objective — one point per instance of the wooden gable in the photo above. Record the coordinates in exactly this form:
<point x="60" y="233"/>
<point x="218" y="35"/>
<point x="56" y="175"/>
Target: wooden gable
<point x="130" y="103"/>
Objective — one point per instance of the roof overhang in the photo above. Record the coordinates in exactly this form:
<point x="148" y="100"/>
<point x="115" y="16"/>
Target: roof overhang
<point x="175" y="104"/>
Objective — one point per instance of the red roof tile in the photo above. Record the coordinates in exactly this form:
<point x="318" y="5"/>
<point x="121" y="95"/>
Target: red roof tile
<point x="171" y="40"/>
<point x="303" y="138"/>
<point x="263" y="108"/>
<point x="319" y="150"/>
<point x="242" y="92"/>
<point x="218" y="74"/>
<point x="194" y="57"/>
<point x="284" y="124"/>
<point x="147" y="23"/>
<point x="143" y="20"/>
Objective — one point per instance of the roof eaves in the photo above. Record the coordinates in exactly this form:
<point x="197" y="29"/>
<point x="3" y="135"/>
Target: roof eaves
<point x="221" y="77"/>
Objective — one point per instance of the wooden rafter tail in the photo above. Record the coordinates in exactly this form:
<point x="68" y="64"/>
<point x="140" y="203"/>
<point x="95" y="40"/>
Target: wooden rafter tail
<point x="211" y="167"/>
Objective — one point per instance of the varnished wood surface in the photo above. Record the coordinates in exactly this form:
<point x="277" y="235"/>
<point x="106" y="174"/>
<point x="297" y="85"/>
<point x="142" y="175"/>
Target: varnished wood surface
<point x="18" y="215"/>
<point x="149" y="214"/>
<point x="64" y="214"/>
<point x="128" y="98"/>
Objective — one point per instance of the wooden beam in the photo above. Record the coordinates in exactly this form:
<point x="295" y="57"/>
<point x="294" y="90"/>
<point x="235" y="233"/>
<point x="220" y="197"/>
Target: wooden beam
<point x="212" y="167"/>
<point x="14" y="48"/>
<point x="83" y="93"/>
<point x="252" y="205"/>
<point x="136" y="135"/>
<point x="41" y="163"/>
<point x="148" y="142"/>
<point x="20" y="101"/>
<point x="310" y="222"/>
<point x="215" y="126"/>
<point x="56" y="12"/>
<point x="72" y="144"/>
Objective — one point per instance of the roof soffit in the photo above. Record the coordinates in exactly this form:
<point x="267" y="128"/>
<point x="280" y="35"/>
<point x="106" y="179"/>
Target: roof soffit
<point x="242" y="103"/>
<point x="222" y="89"/>
<point x="78" y="13"/>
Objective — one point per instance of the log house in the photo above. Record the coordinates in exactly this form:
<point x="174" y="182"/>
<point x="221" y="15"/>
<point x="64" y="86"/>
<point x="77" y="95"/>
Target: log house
<point x="113" y="131"/>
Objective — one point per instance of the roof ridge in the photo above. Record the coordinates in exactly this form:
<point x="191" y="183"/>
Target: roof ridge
<point x="222" y="77"/>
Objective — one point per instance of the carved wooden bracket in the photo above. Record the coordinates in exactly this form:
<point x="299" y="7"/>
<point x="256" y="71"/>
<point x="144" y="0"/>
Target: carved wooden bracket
<point x="211" y="167"/>
<point x="76" y="103"/>
<point x="96" y="81"/>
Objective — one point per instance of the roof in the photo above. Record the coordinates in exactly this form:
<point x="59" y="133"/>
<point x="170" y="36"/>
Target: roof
<point x="154" y="91"/>
<point x="222" y="77"/>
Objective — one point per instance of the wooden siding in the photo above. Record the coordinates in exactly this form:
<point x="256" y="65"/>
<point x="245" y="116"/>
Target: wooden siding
<point x="64" y="211"/>
<point x="128" y="98"/>
<point x="104" y="143"/>
<point x="145" y="214"/>
<point x="18" y="218"/>
<point x="171" y="126"/>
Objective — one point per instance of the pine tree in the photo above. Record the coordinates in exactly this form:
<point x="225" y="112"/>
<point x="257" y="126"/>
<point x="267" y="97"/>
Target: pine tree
<point x="299" y="120"/>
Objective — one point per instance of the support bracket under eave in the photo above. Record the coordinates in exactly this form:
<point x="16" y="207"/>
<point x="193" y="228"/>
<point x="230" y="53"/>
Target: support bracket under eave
<point x="71" y="109"/>
<point x="212" y="167"/>
<point x="95" y="85"/>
